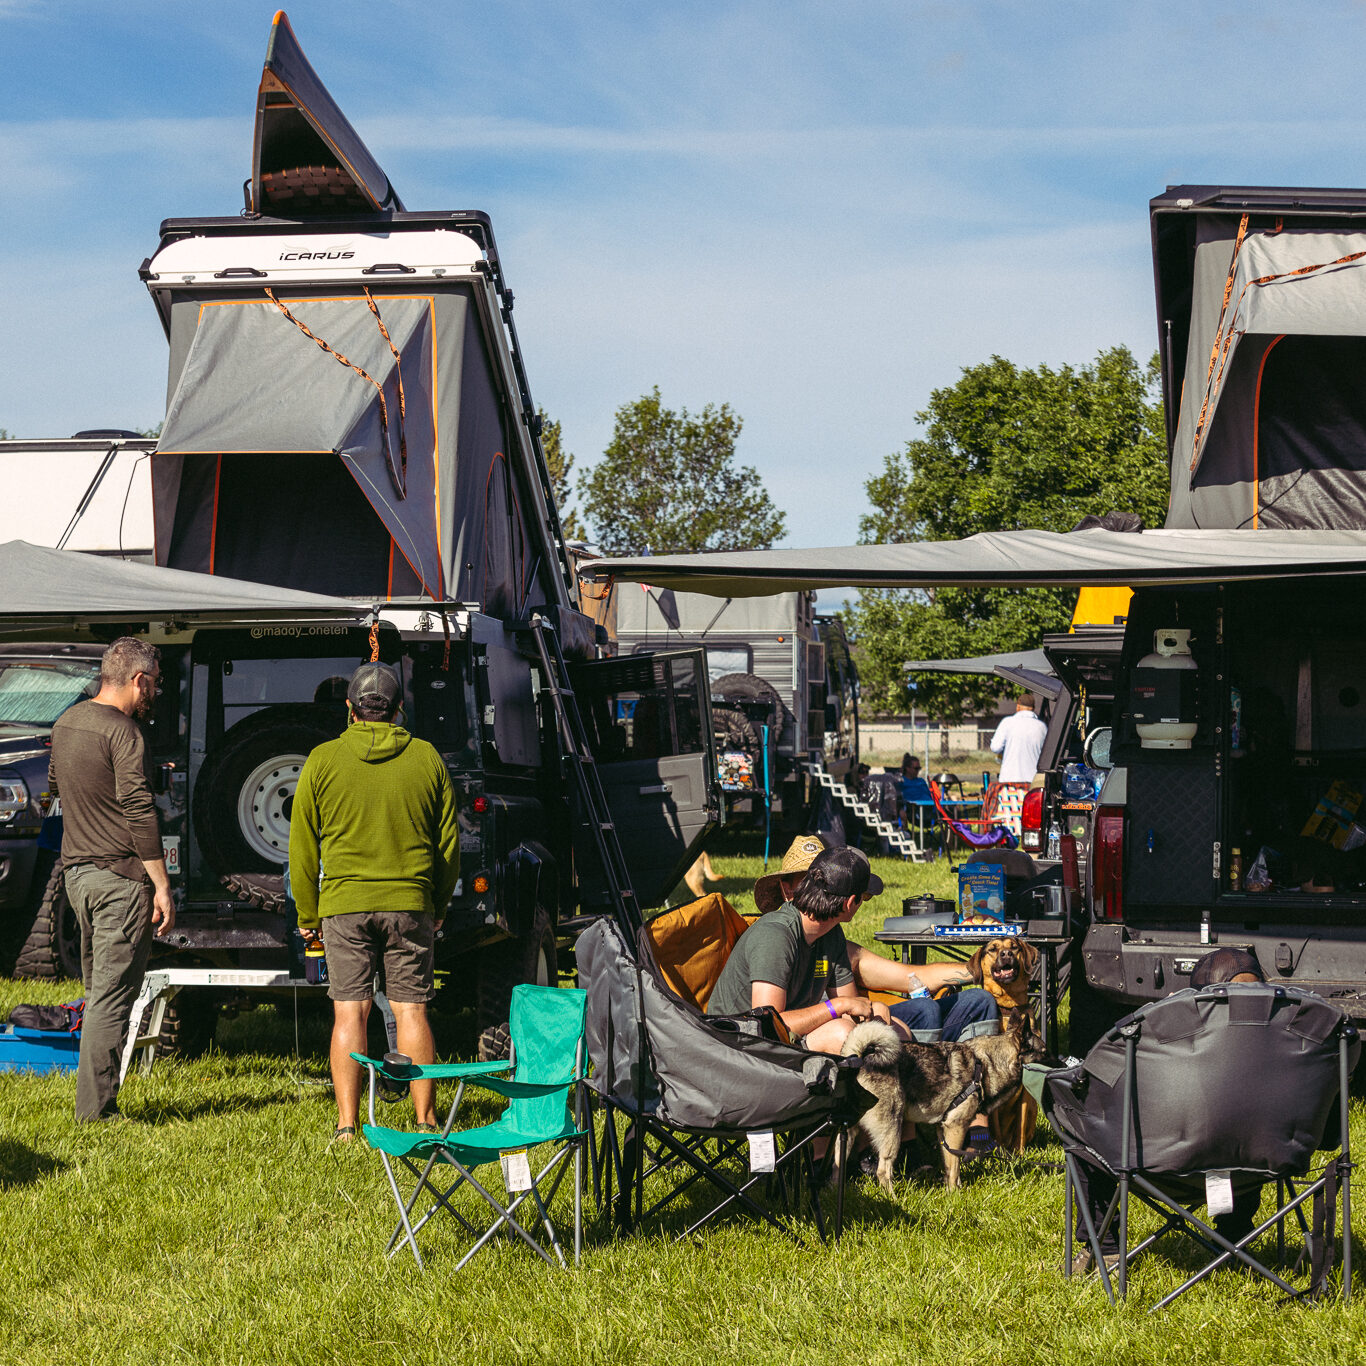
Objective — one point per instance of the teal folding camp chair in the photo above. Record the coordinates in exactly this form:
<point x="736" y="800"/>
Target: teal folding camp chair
<point x="545" y="1106"/>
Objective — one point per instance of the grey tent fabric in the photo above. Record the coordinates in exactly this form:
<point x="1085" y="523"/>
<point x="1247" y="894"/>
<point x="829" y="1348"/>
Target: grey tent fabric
<point x="1273" y="434"/>
<point x="305" y="402"/>
<point x="272" y="465"/>
<point x="693" y="1073"/>
<point x="1034" y="660"/>
<point x="1200" y="1055"/>
<point x="1025" y="668"/>
<point x="38" y="582"/>
<point x="665" y="611"/>
<point x="1012" y="558"/>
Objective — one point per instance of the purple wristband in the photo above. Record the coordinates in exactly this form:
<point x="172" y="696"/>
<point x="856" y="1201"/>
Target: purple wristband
<point x="830" y="1006"/>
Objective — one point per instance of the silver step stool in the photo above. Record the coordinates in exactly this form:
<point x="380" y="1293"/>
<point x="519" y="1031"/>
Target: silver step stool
<point x="161" y="985"/>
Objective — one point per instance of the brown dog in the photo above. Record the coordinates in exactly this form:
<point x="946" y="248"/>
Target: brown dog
<point x="1004" y="966"/>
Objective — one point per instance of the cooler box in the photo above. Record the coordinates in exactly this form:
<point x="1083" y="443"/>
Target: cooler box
<point x="38" y="1050"/>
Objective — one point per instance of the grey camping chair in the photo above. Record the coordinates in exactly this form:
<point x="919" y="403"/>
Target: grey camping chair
<point x="1206" y="1096"/>
<point x="695" y="1092"/>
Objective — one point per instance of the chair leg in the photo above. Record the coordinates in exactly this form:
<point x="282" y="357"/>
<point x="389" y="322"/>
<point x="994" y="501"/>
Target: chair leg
<point x="505" y="1216"/>
<point x="1230" y="1250"/>
<point x="410" y="1238"/>
<point x="548" y="1226"/>
<point x="1092" y="1235"/>
<point x="578" y="1199"/>
<point x="1345" y="1184"/>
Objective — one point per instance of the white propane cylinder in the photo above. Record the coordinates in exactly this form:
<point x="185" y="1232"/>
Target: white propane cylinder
<point x="1163" y="700"/>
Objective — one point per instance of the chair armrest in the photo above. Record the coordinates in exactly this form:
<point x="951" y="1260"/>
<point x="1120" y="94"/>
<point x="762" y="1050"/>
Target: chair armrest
<point x="521" y="1090"/>
<point x="433" y="1071"/>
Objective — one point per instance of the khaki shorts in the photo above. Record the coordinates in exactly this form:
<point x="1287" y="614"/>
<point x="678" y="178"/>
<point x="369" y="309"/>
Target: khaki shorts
<point x="362" y="943"/>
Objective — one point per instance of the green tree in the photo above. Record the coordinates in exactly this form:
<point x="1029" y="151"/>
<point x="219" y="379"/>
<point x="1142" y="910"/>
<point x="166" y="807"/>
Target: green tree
<point x="668" y="484"/>
<point x="1005" y="448"/>
<point x="561" y="465"/>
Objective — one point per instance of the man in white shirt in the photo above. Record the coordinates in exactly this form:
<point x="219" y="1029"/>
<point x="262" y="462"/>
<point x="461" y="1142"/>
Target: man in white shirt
<point x="1019" y="740"/>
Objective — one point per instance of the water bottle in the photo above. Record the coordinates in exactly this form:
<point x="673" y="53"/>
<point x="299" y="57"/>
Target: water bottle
<point x="917" y="988"/>
<point x="1055" y="840"/>
<point x="315" y="962"/>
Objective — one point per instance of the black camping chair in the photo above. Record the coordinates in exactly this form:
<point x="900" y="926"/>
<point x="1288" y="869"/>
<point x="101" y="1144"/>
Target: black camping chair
<point x="700" y="1098"/>
<point x="1205" y="1095"/>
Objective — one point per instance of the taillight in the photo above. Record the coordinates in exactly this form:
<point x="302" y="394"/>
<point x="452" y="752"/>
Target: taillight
<point x="481" y="804"/>
<point x="1107" y="863"/>
<point x="1031" y="822"/>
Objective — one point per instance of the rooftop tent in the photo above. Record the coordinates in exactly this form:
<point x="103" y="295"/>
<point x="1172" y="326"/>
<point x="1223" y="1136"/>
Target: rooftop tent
<point x="1021" y="559"/>
<point x="306" y="157"/>
<point x="63" y="585"/>
<point x="1271" y="426"/>
<point x="278" y="461"/>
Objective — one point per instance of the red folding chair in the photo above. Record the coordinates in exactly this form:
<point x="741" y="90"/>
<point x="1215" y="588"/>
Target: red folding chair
<point x="977" y="832"/>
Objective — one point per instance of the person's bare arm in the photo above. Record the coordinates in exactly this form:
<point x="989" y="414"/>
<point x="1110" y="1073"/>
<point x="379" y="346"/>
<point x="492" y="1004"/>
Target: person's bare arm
<point x="163" y="907"/>
<point x="810" y="1018"/>
<point x="876" y="973"/>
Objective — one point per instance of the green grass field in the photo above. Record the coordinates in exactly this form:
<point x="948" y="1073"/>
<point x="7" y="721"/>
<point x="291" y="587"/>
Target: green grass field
<point x="221" y="1229"/>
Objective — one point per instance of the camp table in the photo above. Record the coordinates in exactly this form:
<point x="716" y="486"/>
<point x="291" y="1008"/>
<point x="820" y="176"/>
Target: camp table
<point x="963" y="943"/>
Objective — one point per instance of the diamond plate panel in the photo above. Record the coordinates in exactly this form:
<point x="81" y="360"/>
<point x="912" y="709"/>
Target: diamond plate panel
<point x="1179" y="805"/>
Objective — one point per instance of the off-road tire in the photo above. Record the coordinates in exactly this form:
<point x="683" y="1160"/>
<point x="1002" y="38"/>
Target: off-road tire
<point x="250" y="748"/>
<point x="52" y="945"/>
<point x="500" y="968"/>
<point x="263" y="890"/>
<point x="734" y="730"/>
<point x="187" y="1025"/>
<point x="750" y="688"/>
<point x="495" y="1043"/>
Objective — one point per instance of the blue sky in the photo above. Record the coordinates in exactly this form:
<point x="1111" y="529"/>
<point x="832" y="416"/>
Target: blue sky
<point x="815" y="213"/>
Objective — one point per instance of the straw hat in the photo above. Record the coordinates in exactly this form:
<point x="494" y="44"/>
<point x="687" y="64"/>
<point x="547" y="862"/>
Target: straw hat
<point x="768" y="893"/>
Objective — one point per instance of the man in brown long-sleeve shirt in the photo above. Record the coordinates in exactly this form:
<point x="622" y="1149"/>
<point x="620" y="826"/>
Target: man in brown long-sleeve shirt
<point x="112" y="858"/>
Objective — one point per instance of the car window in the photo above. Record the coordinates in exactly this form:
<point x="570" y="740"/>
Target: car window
<point x="36" y="693"/>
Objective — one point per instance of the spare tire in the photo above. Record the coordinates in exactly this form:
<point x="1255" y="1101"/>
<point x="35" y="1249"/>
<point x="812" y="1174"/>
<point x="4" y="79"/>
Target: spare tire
<point x="52" y="938"/>
<point x="734" y="730"/>
<point x="245" y="792"/>
<point x="750" y="688"/>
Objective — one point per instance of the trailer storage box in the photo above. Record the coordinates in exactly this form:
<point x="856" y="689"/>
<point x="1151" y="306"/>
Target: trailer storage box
<point x="38" y="1050"/>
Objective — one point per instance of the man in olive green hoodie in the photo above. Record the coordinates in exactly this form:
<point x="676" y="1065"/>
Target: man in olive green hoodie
<point x="374" y="855"/>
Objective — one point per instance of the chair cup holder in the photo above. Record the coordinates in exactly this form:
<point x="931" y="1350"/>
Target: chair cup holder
<point x="393" y="1081"/>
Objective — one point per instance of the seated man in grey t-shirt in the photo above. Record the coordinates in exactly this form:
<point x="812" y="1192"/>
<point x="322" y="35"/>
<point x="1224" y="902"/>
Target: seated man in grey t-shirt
<point x="795" y="958"/>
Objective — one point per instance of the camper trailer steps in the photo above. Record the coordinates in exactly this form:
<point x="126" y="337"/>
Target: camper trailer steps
<point x="894" y="835"/>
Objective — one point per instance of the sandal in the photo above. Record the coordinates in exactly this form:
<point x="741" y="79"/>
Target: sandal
<point x="343" y="1133"/>
<point x="427" y="1128"/>
<point x="980" y="1144"/>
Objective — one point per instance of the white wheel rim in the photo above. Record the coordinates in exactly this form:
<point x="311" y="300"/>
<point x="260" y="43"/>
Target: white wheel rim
<point x="264" y="804"/>
<point x="542" y="967"/>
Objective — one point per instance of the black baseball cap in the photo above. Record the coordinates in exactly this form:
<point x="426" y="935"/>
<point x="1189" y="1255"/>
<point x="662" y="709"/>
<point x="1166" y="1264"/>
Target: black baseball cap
<point x="1223" y="965"/>
<point x="846" y="872"/>
<point x="375" y="685"/>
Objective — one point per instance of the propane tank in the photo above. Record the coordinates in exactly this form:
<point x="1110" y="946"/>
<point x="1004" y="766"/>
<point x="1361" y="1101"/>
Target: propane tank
<point x="1163" y="692"/>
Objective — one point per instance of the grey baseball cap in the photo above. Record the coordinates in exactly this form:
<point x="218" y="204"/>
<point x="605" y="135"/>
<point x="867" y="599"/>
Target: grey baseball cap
<point x="376" y="684"/>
